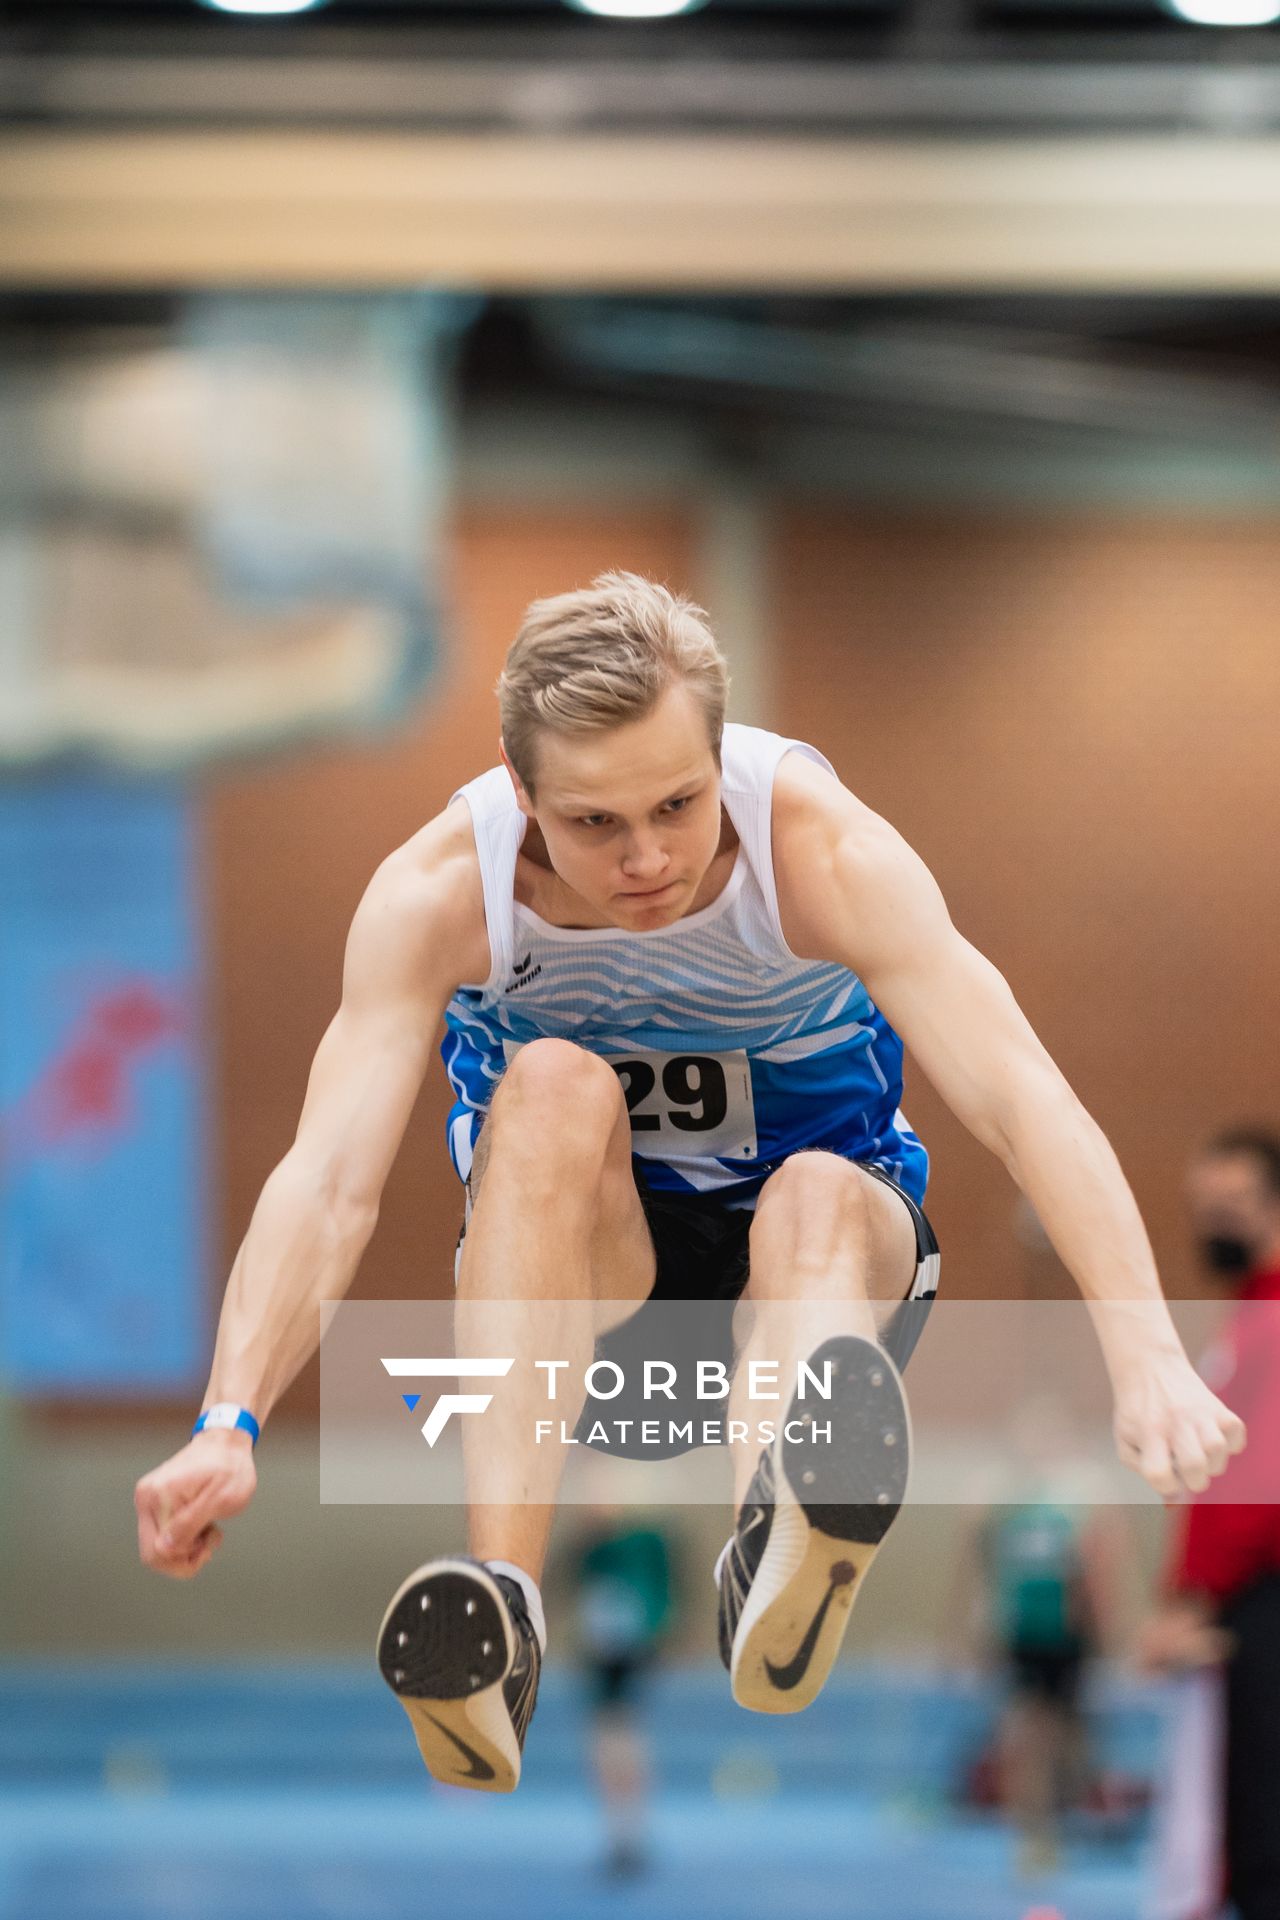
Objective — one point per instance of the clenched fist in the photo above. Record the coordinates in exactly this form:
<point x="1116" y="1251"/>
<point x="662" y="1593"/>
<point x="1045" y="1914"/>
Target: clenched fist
<point x="1170" y="1428"/>
<point x="180" y="1503"/>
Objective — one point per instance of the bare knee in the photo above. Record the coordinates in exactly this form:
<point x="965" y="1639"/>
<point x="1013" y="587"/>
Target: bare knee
<point x="555" y="1096"/>
<point x="812" y="1187"/>
<point x="811" y="1221"/>
<point x="825" y="1222"/>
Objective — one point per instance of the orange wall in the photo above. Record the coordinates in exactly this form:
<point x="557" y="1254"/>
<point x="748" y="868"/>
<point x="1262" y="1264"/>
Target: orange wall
<point x="1074" y="721"/>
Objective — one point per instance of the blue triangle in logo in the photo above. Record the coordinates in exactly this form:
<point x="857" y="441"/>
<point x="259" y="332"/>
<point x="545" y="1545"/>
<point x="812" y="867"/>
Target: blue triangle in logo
<point x="411" y="1400"/>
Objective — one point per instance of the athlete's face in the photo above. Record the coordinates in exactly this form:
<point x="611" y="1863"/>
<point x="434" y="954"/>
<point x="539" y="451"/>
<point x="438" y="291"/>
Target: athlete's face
<point x="631" y="816"/>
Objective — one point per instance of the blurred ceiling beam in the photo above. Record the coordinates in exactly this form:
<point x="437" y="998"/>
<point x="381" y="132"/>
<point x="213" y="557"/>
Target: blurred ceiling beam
<point x="504" y="212"/>
<point x="982" y="85"/>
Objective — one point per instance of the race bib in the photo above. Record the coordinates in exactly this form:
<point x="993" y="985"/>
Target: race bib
<point x="683" y="1104"/>
<point x="688" y="1103"/>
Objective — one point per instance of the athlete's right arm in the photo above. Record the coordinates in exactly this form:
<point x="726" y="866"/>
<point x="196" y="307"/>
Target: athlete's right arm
<point x="419" y="932"/>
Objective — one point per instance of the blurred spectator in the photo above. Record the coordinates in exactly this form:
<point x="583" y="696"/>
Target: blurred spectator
<point x="1045" y="1632"/>
<point x="1051" y="1575"/>
<point x="1221" y="1604"/>
<point x="1040" y="1601"/>
<point x="624" y="1590"/>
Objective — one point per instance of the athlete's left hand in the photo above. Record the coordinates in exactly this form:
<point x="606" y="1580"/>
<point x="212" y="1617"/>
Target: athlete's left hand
<point x="1170" y="1428"/>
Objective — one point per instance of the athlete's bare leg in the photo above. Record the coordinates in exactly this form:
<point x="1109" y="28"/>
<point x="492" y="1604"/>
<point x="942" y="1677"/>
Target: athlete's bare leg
<point x="556" y="1217"/>
<point x="828" y="1242"/>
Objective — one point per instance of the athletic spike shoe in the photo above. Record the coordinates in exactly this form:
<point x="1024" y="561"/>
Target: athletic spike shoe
<point x="811" y="1524"/>
<point x="459" y="1652"/>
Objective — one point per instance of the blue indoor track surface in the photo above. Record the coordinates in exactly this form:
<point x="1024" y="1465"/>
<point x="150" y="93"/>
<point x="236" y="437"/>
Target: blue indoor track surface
<point x="167" y="1793"/>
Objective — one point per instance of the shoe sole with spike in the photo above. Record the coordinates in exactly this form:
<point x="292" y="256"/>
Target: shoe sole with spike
<point x="834" y="1504"/>
<point x="445" y="1646"/>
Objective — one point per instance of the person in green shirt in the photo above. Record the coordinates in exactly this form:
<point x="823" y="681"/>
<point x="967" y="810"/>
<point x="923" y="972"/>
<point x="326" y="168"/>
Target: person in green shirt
<point x="1043" y="1619"/>
<point x="623" y="1584"/>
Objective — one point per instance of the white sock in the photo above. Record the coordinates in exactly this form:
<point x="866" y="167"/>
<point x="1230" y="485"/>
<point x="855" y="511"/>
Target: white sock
<point x="532" y="1597"/>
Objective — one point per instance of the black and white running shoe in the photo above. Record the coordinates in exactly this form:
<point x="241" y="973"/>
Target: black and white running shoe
<point x="812" y="1522"/>
<point x="458" y="1650"/>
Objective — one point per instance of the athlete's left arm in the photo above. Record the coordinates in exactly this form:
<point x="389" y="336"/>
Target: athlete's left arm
<point x="851" y="890"/>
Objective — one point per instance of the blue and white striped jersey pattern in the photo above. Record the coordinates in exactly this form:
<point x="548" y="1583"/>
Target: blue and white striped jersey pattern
<point x="732" y="1052"/>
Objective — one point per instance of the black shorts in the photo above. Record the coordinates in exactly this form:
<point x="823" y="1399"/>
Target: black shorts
<point x="702" y="1248"/>
<point x="703" y="1263"/>
<point x="1049" y="1674"/>
<point x="703" y="1253"/>
<point x="615" y="1683"/>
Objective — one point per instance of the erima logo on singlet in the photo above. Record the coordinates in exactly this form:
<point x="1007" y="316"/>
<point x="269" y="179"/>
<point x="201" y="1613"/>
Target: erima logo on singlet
<point x="520" y="968"/>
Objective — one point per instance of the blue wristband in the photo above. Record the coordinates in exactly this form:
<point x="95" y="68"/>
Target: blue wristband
<point x="225" y="1414"/>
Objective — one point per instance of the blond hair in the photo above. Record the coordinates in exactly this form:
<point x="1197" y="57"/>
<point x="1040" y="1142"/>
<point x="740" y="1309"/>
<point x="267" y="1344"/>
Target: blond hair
<point x="603" y="656"/>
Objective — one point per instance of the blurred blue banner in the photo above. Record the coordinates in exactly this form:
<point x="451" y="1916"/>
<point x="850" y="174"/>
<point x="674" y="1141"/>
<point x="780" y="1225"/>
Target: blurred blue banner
<point x="102" y="1226"/>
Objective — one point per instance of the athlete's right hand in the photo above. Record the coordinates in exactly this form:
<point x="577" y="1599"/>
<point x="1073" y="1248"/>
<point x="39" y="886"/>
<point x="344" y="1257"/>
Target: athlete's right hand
<point x="180" y="1503"/>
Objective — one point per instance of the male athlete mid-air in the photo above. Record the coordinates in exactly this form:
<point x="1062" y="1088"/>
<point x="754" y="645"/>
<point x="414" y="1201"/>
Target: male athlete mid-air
<point x="708" y="908"/>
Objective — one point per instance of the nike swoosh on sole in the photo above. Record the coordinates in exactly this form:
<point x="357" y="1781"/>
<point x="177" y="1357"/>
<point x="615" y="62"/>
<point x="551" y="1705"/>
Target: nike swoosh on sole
<point x="478" y="1769"/>
<point x="785" y="1678"/>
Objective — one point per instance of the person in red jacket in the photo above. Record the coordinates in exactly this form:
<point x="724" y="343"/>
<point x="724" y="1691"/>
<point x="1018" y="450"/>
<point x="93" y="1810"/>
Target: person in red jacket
<point x="1222" y="1579"/>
